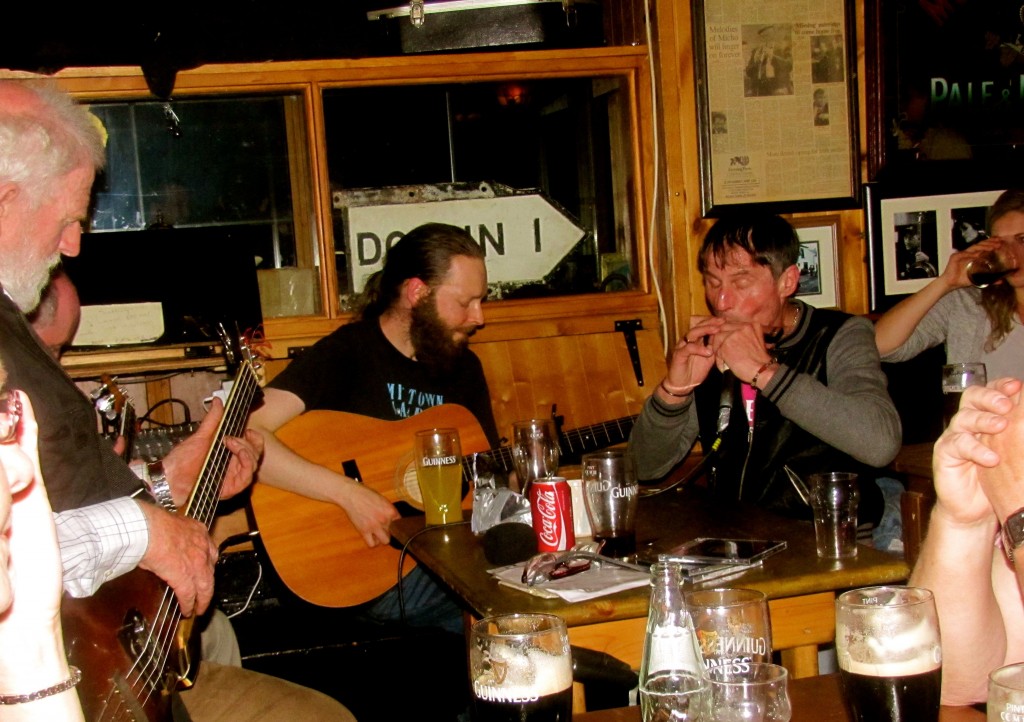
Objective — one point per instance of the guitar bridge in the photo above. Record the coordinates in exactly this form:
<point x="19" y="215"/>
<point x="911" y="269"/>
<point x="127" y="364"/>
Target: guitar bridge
<point x="137" y="641"/>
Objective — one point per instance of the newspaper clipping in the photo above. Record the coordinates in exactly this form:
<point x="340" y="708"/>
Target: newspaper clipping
<point x="777" y="100"/>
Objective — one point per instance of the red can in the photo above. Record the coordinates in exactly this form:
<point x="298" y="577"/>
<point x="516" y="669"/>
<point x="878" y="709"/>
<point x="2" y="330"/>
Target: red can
<point x="551" y="503"/>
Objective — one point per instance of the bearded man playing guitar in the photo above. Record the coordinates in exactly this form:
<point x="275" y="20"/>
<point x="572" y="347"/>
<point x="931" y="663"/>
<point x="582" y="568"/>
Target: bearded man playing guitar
<point x="50" y="150"/>
<point x="408" y="352"/>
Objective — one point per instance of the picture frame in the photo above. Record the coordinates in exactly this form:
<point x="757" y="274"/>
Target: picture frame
<point x="944" y="99"/>
<point x="776" y="105"/>
<point x="819" y="261"/>
<point x="911" y="238"/>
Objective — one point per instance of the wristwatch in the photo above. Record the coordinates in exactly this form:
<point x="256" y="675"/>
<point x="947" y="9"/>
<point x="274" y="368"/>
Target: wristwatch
<point x="159" y="487"/>
<point x="1013" y="533"/>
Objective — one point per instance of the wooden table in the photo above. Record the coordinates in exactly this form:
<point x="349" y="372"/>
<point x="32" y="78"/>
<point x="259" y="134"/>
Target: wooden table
<point x="814" y="699"/>
<point x="801" y="588"/>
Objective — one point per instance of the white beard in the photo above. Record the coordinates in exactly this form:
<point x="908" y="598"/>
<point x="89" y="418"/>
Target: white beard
<point x="24" y="282"/>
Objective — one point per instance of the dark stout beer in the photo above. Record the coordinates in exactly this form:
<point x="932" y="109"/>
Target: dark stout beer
<point x="911" y="698"/>
<point x="617" y="546"/>
<point x="555" y="707"/>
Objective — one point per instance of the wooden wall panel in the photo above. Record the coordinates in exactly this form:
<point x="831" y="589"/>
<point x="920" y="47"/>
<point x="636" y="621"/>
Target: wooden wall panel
<point x="589" y="376"/>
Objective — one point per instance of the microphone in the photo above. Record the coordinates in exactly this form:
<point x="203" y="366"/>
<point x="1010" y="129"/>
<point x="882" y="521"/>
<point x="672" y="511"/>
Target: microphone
<point x="725" y="401"/>
<point x="509" y="543"/>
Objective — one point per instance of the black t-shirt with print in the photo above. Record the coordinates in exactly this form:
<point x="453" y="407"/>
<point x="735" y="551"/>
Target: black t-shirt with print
<point x="357" y="370"/>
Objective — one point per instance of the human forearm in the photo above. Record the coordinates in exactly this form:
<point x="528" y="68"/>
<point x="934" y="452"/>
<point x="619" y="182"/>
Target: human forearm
<point x="32" y="660"/>
<point x="897" y="324"/>
<point x="662" y="436"/>
<point x="861" y="423"/>
<point x="283" y="468"/>
<point x="370" y="512"/>
<point x="956" y="564"/>
<point x="852" y="410"/>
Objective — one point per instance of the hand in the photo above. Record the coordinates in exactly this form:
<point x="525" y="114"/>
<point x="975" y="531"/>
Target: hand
<point x="740" y="346"/>
<point x="182" y="554"/>
<point x="1003" y="483"/>
<point x="185" y="461"/>
<point x="369" y="512"/>
<point x="693" y="357"/>
<point x="961" y="454"/>
<point x="955" y="272"/>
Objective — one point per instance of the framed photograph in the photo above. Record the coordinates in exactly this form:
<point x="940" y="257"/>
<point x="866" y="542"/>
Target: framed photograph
<point x="776" y="104"/>
<point x="944" y="92"/>
<point x="819" y="270"/>
<point x="910" y="239"/>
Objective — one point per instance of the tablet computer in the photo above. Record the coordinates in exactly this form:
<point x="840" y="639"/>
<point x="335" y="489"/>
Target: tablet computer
<point x="715" y="550"/>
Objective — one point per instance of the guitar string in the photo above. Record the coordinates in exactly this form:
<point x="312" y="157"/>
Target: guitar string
<point x="581" y="435"/>
<point x="169" y="615"/>
<point x="231" y="424"/>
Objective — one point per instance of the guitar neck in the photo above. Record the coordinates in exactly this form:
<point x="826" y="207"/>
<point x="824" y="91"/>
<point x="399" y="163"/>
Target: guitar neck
<point x="203" y="502"/>
<point x="576" y="442"/>
<point x="571" y="445"/>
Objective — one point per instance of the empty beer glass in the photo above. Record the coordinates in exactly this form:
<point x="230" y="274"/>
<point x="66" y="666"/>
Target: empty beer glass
<point x="535" y="450"/>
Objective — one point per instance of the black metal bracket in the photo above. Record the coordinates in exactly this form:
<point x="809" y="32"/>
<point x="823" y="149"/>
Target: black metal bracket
<point x="629" y="329"/>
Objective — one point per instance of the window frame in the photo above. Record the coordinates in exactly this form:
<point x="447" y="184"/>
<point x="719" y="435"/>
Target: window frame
<point x="506" y="319"/>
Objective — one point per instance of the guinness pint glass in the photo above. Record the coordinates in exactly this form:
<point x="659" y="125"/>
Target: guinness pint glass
<point x="520" y="668"/>
<point x="890" y="659"/>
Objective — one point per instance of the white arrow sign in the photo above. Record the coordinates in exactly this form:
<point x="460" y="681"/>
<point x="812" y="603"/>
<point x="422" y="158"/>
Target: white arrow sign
<point x="523" y="237"/>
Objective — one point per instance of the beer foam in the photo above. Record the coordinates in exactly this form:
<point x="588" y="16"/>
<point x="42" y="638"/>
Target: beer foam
<point x="912" y="651"/>
<point x="527" y="676"/>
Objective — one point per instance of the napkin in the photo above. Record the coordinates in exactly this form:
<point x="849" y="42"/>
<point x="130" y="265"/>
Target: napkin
<point x="599" y="580"/>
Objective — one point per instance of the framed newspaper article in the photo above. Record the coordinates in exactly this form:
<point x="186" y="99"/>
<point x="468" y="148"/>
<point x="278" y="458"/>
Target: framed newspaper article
<point x="819" y="270"/>
<point x="776" y="104"/>
<point x="910" y="238"/>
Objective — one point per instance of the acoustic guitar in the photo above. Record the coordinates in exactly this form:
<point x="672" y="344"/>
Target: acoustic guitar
<point x="315" y="549"/>
<point x="126" y="637"/>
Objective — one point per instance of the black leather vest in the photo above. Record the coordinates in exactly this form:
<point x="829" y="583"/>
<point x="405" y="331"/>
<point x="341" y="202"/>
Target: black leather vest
<point x="752" y="470"/>
<point x="78" y="465"/>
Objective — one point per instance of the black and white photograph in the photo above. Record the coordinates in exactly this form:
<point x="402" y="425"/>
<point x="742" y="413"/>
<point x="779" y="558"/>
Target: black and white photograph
<point x="769" y="69"/>
<point x="916" y="245"/>
<point x="968" y="226"/>
<point x="810" y="270"/>
<point x="827" y="59"/>
<point x="910" y="239"/>
<point x="819" y="272"/>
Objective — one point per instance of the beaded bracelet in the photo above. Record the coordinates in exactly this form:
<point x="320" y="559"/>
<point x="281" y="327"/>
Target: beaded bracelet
<point x="75" y="678"/>
<point x="771" y="362"/>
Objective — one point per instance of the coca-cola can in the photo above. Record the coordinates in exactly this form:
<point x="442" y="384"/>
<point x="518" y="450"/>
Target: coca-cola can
<point x="551" y="503"/>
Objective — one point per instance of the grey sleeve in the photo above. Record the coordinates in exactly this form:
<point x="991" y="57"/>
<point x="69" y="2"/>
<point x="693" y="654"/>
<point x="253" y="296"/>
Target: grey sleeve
<point x="853" y="412"/>
<point x="662" y="436"/>
<point x="931" y="331"/>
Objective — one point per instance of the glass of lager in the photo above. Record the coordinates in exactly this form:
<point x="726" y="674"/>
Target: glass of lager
<point x="890" y="659"/>
<point x="520" y="669"/>
<point x="439" y="473"/>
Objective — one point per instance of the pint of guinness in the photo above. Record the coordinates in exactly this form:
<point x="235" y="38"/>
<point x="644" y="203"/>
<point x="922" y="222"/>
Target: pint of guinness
<point x="520" y="669"/>
<point x="890" y="659"/>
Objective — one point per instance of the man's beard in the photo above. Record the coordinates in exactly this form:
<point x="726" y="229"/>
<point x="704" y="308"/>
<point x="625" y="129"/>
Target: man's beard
<point x="25" y="278"/>
<point x="432" y="337"/>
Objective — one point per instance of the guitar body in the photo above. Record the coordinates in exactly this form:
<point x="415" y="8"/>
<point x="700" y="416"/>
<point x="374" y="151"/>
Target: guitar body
<point x="111" y="636"/>
<point x="315" y="549"/>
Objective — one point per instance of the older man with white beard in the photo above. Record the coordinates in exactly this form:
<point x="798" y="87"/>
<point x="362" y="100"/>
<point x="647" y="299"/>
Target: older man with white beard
<point x="50" y="149"/>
